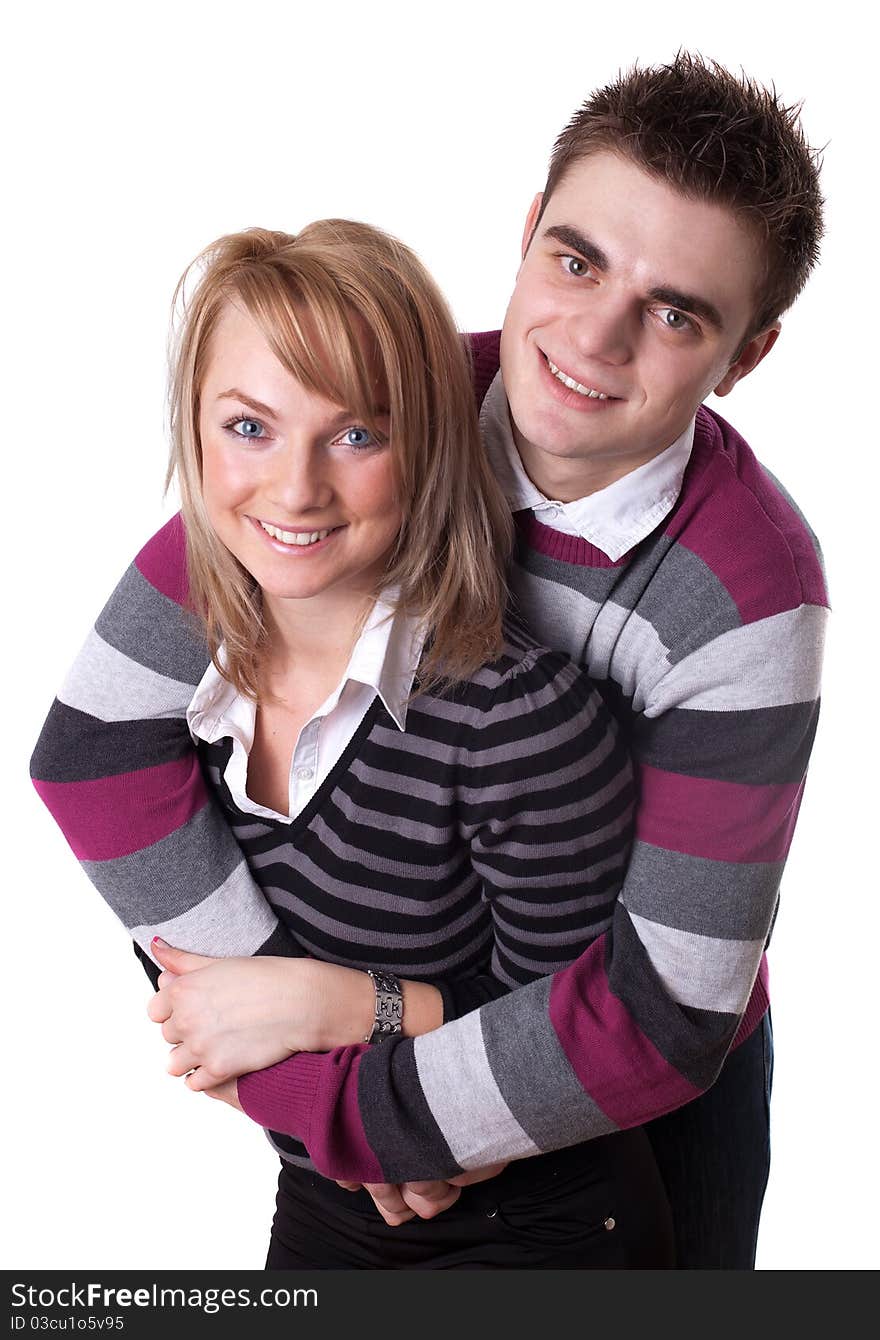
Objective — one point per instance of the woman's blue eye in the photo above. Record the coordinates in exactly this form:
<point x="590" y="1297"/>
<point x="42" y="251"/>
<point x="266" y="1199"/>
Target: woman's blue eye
<point x="248" y="427"/>
<point x="359" y="437"/>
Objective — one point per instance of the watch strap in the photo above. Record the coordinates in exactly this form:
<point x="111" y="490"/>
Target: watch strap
<point x="388" y="1019"/>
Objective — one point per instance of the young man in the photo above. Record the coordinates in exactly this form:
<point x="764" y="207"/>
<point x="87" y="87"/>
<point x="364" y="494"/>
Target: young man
<point x="680" y="218"/>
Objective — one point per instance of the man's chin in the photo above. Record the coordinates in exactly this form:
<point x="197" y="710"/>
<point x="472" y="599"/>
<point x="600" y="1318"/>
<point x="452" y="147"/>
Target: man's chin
<point x="548" y="439"/>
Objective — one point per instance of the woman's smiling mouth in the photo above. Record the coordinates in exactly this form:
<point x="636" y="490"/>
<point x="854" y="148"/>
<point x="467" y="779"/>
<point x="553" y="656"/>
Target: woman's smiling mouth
<point x="294" y="539"/>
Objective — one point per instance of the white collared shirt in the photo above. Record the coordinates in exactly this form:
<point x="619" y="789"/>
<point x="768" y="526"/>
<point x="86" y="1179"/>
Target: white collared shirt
<point x="383" y="663"/>
<point x="614" y="518"/>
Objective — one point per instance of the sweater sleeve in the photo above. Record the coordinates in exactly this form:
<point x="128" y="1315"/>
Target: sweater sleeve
<point x="116" y="767"/>
<point x="641" y="1022"/>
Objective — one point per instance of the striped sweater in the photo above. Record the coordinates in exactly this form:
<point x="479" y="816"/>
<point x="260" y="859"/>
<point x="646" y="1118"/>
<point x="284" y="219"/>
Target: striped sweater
<point x="707" y="640"/>
<point x="481" y="848"/>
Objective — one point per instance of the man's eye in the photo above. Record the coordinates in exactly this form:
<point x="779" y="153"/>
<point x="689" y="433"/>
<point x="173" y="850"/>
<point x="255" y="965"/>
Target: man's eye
<point x="672" y="319"/>
<point x="575" y="265"/>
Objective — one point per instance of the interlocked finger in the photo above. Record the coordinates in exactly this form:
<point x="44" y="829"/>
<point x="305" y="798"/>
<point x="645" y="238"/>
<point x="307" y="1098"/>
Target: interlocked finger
<point x="389" y="1202"/>
<point x="182" y="1061"/>
<point x="159" y="1008"/>
<point x="428" y="1199"/>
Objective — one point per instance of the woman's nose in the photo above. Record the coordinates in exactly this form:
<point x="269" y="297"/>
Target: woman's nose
<point x="299" y="482"/>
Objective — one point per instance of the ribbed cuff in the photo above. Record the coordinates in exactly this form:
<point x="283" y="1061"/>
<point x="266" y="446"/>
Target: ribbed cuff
<point x="281" y="1097"/>
<point x="759" y="1002"/>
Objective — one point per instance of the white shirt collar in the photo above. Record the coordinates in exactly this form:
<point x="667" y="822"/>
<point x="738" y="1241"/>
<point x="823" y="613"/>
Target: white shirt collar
<point x="615" y="518"/>
<point x="385" y="658"/>
<point x="386" y="655"/>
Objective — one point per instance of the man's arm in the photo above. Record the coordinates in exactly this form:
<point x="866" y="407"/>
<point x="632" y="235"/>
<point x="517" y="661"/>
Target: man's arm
<point x="641" y="1022"/>
<point x="116" y="767"/>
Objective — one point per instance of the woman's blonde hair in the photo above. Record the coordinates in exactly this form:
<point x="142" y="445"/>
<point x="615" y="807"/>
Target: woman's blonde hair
<point x="313" y="295"/>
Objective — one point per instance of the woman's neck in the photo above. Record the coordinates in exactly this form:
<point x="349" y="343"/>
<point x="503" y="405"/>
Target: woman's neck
<point x="311" y="635"/>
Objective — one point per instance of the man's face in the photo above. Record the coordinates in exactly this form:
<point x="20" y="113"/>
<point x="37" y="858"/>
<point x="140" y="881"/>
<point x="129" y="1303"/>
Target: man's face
<point x="641" y="297"/>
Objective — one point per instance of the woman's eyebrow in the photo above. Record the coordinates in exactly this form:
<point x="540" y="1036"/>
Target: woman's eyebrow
<point x="234" y="394"/>
<point x="343" y="416"/>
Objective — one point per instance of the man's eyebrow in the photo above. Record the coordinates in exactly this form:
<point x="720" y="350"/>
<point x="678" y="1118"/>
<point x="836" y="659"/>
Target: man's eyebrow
<point x="689" y="303"/>
<point x="234" y="394"/>
<point x="570" y="237"/>
<point x="685" y="302"/>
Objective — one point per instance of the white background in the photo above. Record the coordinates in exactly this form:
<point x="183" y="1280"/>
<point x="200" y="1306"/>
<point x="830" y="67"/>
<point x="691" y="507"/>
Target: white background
<point x="136" y="136"/>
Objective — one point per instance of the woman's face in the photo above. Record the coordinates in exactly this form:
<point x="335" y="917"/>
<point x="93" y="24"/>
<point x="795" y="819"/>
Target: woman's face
<point x="300" y="492"/>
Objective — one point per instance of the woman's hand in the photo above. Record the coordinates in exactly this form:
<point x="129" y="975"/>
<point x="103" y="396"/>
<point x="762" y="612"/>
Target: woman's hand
<point x="229" y="1016"/>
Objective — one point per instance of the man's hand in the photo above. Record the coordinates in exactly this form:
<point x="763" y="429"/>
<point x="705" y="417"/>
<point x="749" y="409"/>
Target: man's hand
<point x="226" y="1092"/>
<point x="425" y="1200"/>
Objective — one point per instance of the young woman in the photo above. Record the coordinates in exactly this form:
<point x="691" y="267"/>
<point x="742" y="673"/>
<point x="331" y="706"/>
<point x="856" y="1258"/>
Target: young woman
<point x="436" y="809"/>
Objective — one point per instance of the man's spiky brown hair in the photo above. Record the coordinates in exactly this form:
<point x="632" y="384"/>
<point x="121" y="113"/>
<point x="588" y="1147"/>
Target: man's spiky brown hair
<point x="717" y="137"/>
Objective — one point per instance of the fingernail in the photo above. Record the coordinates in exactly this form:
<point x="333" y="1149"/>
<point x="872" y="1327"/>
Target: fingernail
<point x="157" y="940"/>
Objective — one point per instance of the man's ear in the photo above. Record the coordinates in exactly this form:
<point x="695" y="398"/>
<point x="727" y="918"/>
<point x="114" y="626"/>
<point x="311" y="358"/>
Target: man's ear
<point x="749" y="358"/>
<point x="531" y="220"/>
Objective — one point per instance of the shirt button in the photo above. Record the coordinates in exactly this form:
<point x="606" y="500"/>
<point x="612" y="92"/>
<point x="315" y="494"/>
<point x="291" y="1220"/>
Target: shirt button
<point x="491" y="1212"/>
<point x="304" y="774"/>
<point x="610" y="1223"/>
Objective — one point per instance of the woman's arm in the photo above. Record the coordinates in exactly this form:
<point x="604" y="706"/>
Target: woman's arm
<point x="232" y="1015"/>
<point x="544" y="802"/>
<point x="549" y="867"/>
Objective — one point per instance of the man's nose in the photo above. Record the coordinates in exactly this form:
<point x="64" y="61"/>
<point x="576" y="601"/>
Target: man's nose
<point x="602" y="330"/>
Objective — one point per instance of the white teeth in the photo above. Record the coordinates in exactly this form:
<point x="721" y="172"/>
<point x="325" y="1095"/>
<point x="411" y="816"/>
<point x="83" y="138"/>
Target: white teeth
<point x="300" y="538"/>
<point x="573" y="385"/>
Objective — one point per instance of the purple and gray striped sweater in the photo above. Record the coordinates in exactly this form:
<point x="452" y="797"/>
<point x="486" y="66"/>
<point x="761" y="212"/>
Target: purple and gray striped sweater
<point x="707" y="640"/>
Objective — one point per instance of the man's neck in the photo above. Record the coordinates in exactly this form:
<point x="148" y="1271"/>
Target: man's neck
<point x="566" y="479"/>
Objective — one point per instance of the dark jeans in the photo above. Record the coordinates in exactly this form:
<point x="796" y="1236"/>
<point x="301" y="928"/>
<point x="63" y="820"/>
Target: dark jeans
<point x="714" y="1158"/>
<point x="597" y="1206"/>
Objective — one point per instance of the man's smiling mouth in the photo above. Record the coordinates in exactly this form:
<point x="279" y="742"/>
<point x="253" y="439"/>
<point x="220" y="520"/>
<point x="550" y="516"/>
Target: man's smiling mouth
<point x="589" y="392"/>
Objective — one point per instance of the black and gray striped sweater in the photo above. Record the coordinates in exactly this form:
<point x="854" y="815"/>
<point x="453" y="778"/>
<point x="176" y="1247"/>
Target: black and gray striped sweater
<point x="479" y="849"/>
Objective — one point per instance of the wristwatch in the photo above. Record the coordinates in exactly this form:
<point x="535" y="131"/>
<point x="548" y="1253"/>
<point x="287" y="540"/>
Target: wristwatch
<point x="389" y="1006"/>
